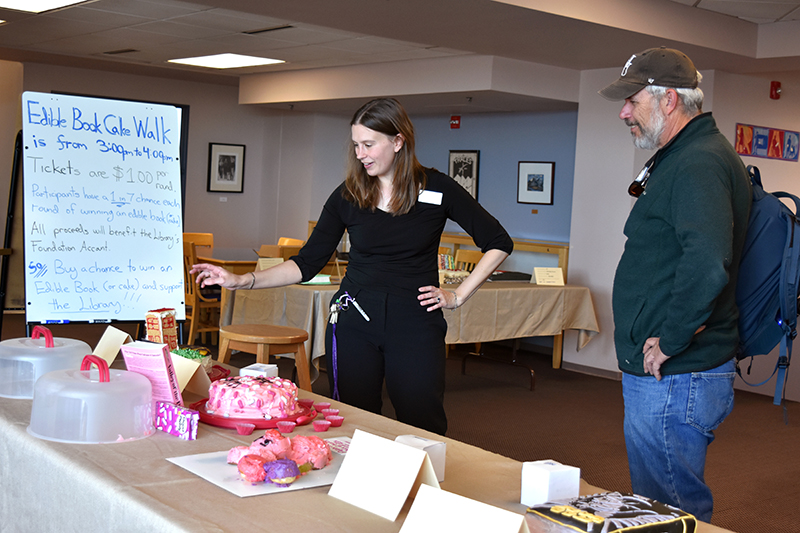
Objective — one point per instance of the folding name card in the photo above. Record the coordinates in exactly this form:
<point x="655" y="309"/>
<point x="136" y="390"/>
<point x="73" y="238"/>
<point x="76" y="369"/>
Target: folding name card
<point x="378" y="475"/>
<point x="435" y="510"/>
<point x="548" y="276"/>
<point x="192" y="377"/>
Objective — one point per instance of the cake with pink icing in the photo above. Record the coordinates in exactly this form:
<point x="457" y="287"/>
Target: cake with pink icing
<point x="253" y="397"/>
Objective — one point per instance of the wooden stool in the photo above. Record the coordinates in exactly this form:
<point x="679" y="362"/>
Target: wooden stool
<point x="265" y="340"/>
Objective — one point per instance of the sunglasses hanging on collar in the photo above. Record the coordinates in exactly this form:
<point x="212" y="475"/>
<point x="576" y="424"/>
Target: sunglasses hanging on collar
<point x="637" y="187"/>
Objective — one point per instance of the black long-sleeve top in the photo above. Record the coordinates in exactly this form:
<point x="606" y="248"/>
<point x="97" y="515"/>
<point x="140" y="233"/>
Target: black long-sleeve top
<point x="398" y="254"/>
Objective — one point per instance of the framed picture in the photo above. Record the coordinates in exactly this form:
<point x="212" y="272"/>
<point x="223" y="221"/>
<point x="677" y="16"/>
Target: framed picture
<point x="535" y="182"/>
<point x="464" y="169"/>
<point x="225" y="167"/>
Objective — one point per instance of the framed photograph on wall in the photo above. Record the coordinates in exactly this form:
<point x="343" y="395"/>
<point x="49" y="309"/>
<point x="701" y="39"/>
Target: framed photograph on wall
<point x="225" y="167"/>
<point x="535" y="182"/>
<point x="463" y="168"/>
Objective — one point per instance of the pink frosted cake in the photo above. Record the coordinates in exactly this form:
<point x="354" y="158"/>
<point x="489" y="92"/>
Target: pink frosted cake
<point x="253" y="397"/>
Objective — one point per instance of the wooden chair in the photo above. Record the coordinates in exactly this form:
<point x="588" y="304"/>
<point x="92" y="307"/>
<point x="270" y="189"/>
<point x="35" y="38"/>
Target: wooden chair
<point x="467" y="259"/>
<point x="265" y="340"/>
<point x="202" y="313"/>
<point x="201" y="240"/>
<point x="445" y="250"/>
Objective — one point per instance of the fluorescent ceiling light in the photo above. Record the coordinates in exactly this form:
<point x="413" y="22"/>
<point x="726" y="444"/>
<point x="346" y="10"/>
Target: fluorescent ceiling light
<point x="37" y="6"/>
<point x="226" y="61"/>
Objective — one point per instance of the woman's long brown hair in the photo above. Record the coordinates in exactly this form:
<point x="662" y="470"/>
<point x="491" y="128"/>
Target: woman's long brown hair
<point x="387" y="116"/>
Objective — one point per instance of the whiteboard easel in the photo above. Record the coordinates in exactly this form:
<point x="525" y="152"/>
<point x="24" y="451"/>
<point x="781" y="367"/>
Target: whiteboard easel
<point x="102" y="209"/>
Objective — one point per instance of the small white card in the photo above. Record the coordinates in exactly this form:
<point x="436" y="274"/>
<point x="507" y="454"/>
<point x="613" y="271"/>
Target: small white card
<point x="430" y="197"/>
<point x="548" y="276"/>
<point x="435" y="510"/>
<point x="402" y="470"/>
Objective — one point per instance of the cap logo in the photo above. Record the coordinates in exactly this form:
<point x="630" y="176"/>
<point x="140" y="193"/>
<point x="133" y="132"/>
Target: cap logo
<point x="627" y="65"/>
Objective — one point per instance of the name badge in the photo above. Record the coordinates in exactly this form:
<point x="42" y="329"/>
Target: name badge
<point x="430" y="197"/>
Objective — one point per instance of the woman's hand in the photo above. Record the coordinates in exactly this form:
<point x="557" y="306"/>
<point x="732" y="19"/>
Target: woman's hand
<point x="214" y="275"/>
<point x="436" y="298"/>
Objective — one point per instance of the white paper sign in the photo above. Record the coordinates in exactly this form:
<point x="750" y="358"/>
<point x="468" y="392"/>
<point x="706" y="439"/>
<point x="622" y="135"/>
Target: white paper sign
<point x="436" y="510"/>
<point x="548" y="276"/>
<point x="378" y="475"/>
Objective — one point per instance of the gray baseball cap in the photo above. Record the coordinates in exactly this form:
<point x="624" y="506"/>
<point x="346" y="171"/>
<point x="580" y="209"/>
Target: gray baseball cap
<point x="663" y="66"/>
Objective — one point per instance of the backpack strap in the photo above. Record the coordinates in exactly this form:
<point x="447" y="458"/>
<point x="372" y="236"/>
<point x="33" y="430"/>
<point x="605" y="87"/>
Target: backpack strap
<point x="790" y="284"/>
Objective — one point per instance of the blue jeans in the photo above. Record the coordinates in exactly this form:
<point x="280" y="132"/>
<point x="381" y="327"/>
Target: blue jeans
<point x="668" y="427"/>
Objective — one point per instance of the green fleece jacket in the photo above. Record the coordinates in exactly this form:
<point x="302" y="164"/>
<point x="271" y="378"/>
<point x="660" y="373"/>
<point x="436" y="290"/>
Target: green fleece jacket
<point x="684" y="241"/>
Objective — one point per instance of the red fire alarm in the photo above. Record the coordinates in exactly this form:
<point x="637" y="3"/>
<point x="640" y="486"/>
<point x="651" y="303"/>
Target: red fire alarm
<point x="455" y="122"/>
<point x="775" y="90"/>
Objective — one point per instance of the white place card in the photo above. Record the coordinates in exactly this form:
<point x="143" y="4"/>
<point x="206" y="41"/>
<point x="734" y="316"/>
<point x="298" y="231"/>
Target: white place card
<point x="383" y="489"/>
<point x="192" y="377"/>
<point x="548" y="276"/>
<point x="108" y="346"/>
<point x="435" y="510"/>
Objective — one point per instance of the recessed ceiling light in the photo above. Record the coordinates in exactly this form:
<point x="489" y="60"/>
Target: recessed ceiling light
<point x="226" y="61"/>
<point x="38" y="6"/>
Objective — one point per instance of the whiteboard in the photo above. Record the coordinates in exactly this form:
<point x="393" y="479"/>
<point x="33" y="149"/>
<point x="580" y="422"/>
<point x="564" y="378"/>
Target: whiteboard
<point x="102" y="209"/>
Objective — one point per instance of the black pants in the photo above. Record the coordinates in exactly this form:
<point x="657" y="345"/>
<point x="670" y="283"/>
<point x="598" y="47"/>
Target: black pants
<point x="402" y="343"/>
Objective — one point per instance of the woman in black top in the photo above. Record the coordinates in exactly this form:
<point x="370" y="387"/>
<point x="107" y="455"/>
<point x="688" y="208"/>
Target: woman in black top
<point x="387" y="319"/>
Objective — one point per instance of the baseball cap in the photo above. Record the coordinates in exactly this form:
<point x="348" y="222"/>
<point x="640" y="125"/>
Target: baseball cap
<point x="663" y="66"/>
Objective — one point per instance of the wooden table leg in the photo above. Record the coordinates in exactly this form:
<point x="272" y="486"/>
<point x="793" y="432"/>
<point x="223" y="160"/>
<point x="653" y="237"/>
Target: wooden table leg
<point x="558" y="349"/>
<point x="303" y="368"/>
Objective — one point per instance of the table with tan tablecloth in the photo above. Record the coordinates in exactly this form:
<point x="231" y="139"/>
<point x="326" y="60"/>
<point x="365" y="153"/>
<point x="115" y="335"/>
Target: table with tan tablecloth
<point x="498" y="310"/>
<point x="130" y="486"/>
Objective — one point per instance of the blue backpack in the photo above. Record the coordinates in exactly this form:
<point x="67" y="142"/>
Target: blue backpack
<point x="769" y="278"/>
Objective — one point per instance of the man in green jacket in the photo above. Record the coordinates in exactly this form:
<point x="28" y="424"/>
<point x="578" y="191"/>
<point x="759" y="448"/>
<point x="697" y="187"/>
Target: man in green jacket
<point x="674" y="303"/>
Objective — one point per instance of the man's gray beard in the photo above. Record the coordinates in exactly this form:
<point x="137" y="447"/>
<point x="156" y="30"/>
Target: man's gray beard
<point x="649" y="138"/>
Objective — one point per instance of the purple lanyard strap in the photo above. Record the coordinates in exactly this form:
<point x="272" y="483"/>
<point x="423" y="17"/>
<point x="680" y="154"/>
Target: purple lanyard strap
<point x="341" y="304"/>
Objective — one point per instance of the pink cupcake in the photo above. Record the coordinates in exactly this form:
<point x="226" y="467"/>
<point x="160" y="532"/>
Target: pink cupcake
<point x="312" y="450"/>
<point x="251" y="468"/>
<point x="335" y="420"/>
<point x="321" y="425"/>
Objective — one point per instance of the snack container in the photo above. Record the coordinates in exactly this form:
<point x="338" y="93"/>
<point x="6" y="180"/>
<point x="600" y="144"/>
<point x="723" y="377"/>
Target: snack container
<point x="24" y="360"/>
<point x="161" y="327"/>
<point x="89" y="406"/>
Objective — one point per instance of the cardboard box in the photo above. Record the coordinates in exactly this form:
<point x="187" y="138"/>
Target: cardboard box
<point x="161" y="327"/>
<point x="259" y="369"/>
<point x="546" y="481"/>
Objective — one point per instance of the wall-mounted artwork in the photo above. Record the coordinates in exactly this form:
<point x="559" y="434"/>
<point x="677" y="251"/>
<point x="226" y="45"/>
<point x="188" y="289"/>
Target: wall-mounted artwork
<point x="535" y="182"/>
<point x="464" y="169"/>
<point x="225" y="167"/>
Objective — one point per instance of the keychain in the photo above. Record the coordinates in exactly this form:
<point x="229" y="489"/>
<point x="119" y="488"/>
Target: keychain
<point x="342" y="303"/>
